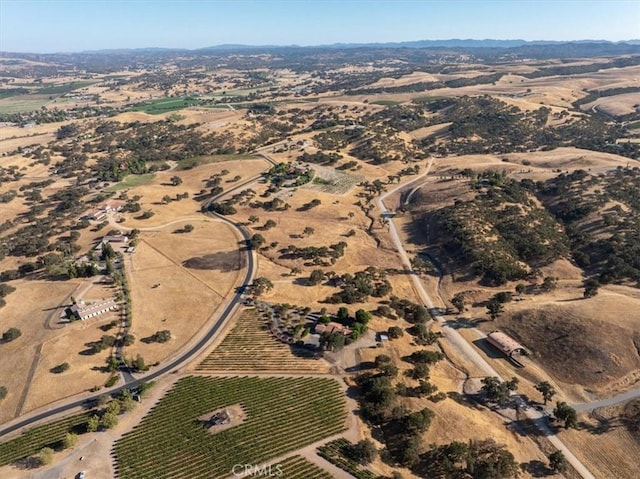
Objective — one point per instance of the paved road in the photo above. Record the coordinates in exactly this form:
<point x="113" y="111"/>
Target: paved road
<point x="455" y="339"/>
<point x="612" y="401"/>
<point x="130" y="380"/>
<point x="133" y="381"/>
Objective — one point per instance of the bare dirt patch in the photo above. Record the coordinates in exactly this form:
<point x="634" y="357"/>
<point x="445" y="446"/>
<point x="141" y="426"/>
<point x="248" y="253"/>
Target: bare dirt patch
<point x="224" y="418"/>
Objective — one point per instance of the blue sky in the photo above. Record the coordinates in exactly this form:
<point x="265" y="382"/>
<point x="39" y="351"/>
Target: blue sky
<point x="76" y="25"/>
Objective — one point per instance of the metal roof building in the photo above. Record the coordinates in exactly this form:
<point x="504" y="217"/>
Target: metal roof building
<point x="84" y="311"/>
<point x="505" y="344"/>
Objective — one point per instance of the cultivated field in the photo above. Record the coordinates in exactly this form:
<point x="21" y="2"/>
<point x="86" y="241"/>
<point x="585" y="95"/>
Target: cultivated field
<point x="48" y="435"/>
<point x="250" y="346"/>
<point x="159" y="136"/>
<point x="283" y="414"/>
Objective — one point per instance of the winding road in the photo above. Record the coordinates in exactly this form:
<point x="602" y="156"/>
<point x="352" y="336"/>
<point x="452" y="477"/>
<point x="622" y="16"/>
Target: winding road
<point x="131" y="381"/>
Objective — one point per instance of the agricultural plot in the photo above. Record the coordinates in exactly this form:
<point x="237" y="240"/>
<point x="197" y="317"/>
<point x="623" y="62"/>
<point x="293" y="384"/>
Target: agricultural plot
<point x="297" y="467"/>
<point x="283" y="415"/>
<point x="165" y="105"/>
<point x="189" y="163"/>
<point x="334" y="452"/>
<point x="251" y="347"/>
<point x="23" y="103"/>
<point x="62" y="88"/>
<point x="49" y="435"/>
<point x="131" y="181"/>
<point x="330" y="180"/>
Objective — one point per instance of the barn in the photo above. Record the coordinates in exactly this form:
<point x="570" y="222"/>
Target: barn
<point x="505" y="344"/>
<point x="84" y="311"/>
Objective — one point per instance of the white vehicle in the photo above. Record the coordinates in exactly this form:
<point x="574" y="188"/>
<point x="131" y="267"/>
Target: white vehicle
<point x="81" y="475"/>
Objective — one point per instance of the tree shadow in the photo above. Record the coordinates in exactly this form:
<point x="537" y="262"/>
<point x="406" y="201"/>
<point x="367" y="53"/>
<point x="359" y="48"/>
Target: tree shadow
<point x="460" y="323"/>
<point x="92" y="349"/>
<point x="602" y="426"/>
<point x="488" y="349"/>
<point x="528" y="427"/>
<point x="464" y="400"/>
<point x="224" y="261"/>
<point x="28" y="463"/>
<point x="536" y="468"/>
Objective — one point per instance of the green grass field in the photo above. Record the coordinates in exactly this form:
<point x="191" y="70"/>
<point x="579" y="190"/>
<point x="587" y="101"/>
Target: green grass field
<point x="16" y="100"/>
<point x="9" y="92"/>
<point x="282" y="415"/>
<point x="165" y="105"/>
<point x="23" y="103"/>
<point x="131" y="181"/>
<point x="63" y="88"/>
<point x="189" y="163"/>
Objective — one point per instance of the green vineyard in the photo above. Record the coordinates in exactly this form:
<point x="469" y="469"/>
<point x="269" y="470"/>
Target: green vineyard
<point x="251" y="347"/>
<point x="283" y="415"/>
<point x="49" y="435"/>
<point x="334" y="452"/>
<point x="297" y="467"/>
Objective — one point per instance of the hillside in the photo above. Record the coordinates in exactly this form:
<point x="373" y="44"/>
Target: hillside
<point x="508" y="229"/>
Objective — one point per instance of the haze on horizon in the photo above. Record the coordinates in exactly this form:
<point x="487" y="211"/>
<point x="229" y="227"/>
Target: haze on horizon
<point x="48" y="26"/>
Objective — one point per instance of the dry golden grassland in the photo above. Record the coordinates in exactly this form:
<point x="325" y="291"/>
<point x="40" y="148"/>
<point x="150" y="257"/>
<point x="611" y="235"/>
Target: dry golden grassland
<point x="178" y="283"/>
<point x="587" y="342"/>
<point x="453" y="421"/>
<point x="616" y="105"/>
<point x="193" y="183"/>
<point x="29" y="309"/>
<point x="597" y="354"/>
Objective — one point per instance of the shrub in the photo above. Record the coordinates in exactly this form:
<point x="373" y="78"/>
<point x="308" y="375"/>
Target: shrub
<point x="395" y="332"/>
<point x="162" y="336"/>
<point x="45" y="456"/>
<point x="111" y="381"/>
<point x="70" y="440"/>
<point x="60" y="368"/>
<point x="222" y="208"/>
<point x="11" y="334"/>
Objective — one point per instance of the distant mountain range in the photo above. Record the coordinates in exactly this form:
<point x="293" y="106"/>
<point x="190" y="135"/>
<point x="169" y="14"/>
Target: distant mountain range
<point x="450" y="43"/>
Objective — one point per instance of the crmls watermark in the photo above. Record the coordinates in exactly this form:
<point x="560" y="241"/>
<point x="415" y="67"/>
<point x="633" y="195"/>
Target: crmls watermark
<point x="257" y="470"/>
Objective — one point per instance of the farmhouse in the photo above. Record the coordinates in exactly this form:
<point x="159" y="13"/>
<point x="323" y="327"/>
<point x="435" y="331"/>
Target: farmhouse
<point x="121" y="239"/>
<point x="84" y="311"/>
<point x="97" y="215"/>
<point x="505" y="344"/>
<point x="332" y="327"/>
<point x="112" y="206"/>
